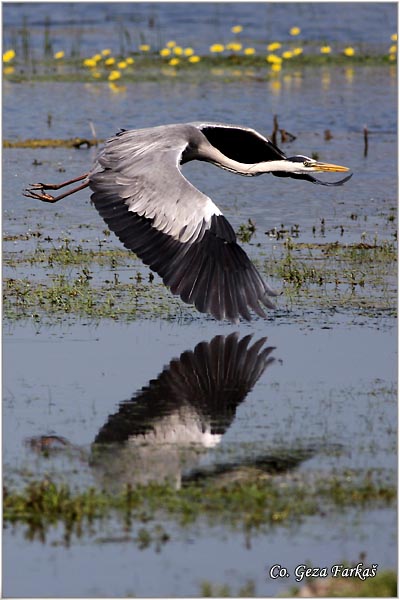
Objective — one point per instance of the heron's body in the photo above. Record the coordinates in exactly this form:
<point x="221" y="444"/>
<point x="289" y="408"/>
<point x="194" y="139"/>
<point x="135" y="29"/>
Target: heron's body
<point x="141" y="193"/>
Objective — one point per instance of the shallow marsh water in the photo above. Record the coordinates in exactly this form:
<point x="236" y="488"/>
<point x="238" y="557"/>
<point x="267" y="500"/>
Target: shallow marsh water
<point x="327" y="402"/>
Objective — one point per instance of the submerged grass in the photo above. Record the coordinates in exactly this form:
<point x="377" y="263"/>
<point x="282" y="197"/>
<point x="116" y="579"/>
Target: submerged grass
<point x="361" y="275"/>
<point x="254" y="505"/>
<point x="77" y="281"/>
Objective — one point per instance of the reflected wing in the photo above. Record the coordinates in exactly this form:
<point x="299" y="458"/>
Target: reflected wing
<point x="176" y="230"/>
<point x="200" y="391"/>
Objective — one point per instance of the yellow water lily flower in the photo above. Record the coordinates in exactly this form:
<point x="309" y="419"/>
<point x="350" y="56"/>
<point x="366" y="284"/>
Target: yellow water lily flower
<point x="349" y="51"/>
<point x="114" y="75"/>
<point x="170" y="44"/>
<point x="144" y="47"/>
<point x="237" y="29"/>
<point x="274" y="59"/>
<point x="249" y="51"/>
<point x="391" y="57"/>
<point x="122" y="64"/>
<point x="89" y="62"/>
<point x="393" y="49"/>
<point x="165" y="52"/>
<point x="273" y="46"/>
<point x="60" y="54"/>
<point x="109" y="61"/>
<point x="177" y="50"/>
<point x="9" y="70"/>
<point x="106" y="52"/>
<point x="217" y="48"/>
<point x="9" y="55"/>
<point x="96" y="74"/>
<point x="188" y="51"/>
<point x="295" y="31"/>
<point x="325" y="49"/>
<point x="276" y="67"/>
<point x="234" y="46"/>
<point x="174" y="61"/>
<point x="287" y="54"/>
<point x="393" y="37"/>
<point x="97" y="57"/>
<point x="194" y="59"/>
<point x="129" y="60"/>
<point x="297" y="51"/>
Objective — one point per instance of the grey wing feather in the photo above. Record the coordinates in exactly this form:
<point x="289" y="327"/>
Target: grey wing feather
<point x="174" y="228"/>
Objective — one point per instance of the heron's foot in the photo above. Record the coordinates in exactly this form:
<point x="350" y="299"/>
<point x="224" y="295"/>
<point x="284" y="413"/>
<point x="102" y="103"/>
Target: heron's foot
<point x="30" y="193"/>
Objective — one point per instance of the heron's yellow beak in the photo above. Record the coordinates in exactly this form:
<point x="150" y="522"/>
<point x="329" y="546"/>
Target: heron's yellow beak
<point x="327" y="167"/>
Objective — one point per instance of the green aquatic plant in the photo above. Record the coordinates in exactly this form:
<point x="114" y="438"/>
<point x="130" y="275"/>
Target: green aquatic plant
<point x="254" y="503"/>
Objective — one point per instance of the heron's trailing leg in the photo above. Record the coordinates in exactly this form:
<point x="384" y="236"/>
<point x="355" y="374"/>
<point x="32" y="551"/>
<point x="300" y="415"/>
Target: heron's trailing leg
<point x="32" y="193"/>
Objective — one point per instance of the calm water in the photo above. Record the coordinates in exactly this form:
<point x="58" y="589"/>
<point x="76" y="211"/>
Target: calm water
<point x="332" y="383"/>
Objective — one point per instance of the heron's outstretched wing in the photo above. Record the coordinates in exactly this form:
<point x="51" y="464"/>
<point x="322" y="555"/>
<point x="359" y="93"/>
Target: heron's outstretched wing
<point x="174" y="228"/>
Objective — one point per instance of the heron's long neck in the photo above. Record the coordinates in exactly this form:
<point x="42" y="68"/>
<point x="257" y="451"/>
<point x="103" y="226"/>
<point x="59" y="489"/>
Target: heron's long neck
<point x="213" y="155"/>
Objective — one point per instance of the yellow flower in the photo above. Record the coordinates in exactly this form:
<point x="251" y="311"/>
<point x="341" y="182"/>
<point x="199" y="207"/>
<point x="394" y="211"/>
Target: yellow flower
<point x="106" y="52"/>
<point x="122" y="64"/>
<point x="391" y="57"/>
<point x="274" y="59"/>
<point x="109" y="61"/>
<point x="194" y="59"/>
<point x="297" y="51"/>
<point x="177" y="50"/>
<point x="273" y="46"/>
<point x="295" y="31"/>
<point x="89" y="62"/>
<point x="325" y="49"/>
<point x="237" y="29"/>
<point x="287" y="54"/>
<point x="96" y="57"/>
<point x="170" y="44"/>
<point x="129" y="60"/>
<point x="144" y="47"/>
<point x="59" y="54"/>
<point x="174" y="61"/>
<point x="8" y="70"/>
<point x="393" y="37"/>
<point x="393" y="49"/>
<point x="234" y="46"/>
<point x="9" y="55"/>
<point x="249" y="51"/>
<point x="96" y="74"/>
<point x="114" y="75"/>
<point x="217" y="48"/>
<point x="188" y="51"/>
<point x="276" y="67"/>
<point x="165" y="52"/>
<point x="349" y="51"/>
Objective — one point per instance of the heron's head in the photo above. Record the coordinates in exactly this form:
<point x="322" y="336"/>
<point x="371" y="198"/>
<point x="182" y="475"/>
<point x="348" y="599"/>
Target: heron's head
<point x="302" y="167"/>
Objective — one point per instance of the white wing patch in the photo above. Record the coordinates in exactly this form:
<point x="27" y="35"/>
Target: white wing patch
<point x="145" y="173"/>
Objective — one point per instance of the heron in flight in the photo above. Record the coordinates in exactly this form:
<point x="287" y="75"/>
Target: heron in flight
<point x="139" y="190"/>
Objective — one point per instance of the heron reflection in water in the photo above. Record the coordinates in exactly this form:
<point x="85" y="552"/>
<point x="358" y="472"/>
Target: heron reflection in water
<point x="139" y="190"/>
<point x="170" y="425"/>
<point x="167" y="428"/>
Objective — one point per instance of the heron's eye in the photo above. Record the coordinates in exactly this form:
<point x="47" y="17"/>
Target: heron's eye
<point x="307" y="163"/>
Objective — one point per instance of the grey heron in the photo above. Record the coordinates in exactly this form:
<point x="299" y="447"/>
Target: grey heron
<point x="139" y="190"/>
